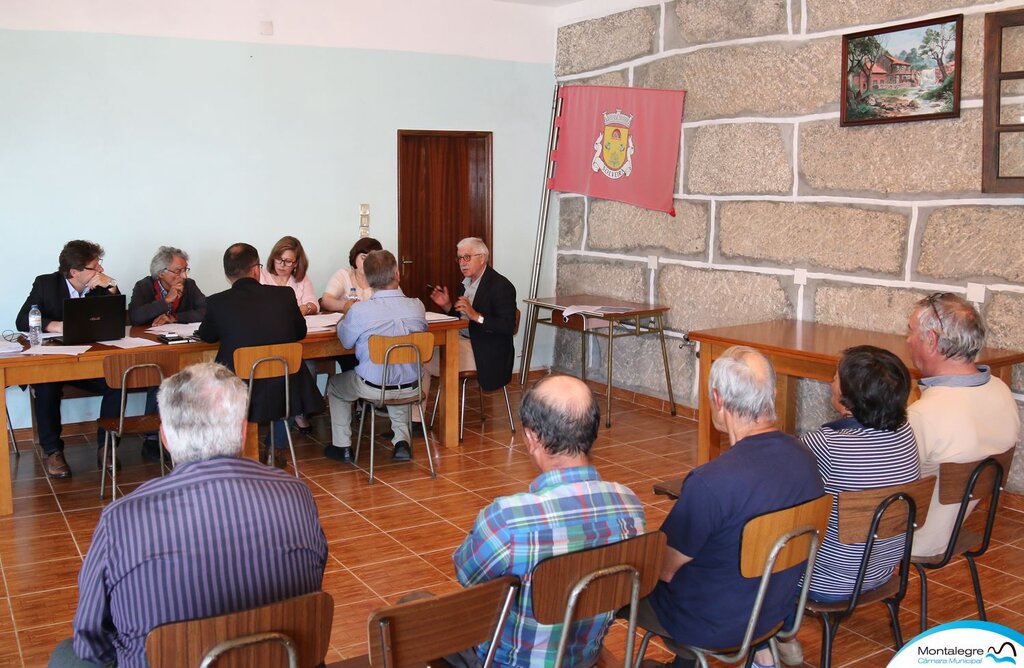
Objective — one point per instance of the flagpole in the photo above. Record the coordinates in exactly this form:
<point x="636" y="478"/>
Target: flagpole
<point x="538" y="246"/>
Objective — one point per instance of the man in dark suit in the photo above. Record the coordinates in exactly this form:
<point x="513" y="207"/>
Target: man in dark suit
<point x="488" y="300"/>
<point x="250" y="314"/>
<point x="79" y="274"/>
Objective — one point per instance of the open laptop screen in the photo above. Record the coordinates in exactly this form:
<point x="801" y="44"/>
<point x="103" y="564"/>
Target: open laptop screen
<point x="91" y="319"/>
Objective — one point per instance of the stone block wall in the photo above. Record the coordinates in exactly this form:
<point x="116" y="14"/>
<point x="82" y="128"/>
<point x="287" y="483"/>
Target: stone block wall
<point x="780" y="211"/>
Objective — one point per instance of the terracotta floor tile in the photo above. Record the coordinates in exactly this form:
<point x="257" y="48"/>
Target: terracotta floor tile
<point x="89" y="499"/>
<point x="35" y="505"/>
<point x="400" y="575"/>
<point x="339" y="483"/>
<point x="34" y="550"/>
<point x="44" y="608"/>
<point x="430" y="536"/>
<point x="37" y="644"/>
<point x="83" y="520"/>
<point x="10" y="655"/>
<point x="350" y="621"/>
<point x="42" y="576"/>
<point x="457" y="506"/>
<point x="421" y="489"/>
<point x="344" y="586"/>
<point x="506" y="489"/>
<point x="349" y="524"/>
<point x="362" y="550"/>
<point x="1005" y="558"/>
<point x="31" y="487"/>
<point x="996" y="586"/>
<point x="371" y="496"/>
<point x="479" y="478"/>
<point x="399" y="516"/>
<point x="6" y="621"/>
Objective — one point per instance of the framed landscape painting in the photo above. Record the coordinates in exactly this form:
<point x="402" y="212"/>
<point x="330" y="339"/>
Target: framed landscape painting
<point x="909" y="72"/>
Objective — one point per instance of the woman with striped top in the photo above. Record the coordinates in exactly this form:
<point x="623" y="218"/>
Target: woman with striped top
<point x="870" y="446"/>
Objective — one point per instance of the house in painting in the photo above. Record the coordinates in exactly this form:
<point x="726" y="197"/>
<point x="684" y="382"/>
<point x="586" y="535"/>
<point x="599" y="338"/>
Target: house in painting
<point x="899" y="74"/>
<point x="877" y="78"/>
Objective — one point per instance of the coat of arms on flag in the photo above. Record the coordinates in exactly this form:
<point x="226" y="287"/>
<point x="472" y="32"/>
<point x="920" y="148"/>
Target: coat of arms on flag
<point x="618" y="143"/>
<point x="614" y="147"/>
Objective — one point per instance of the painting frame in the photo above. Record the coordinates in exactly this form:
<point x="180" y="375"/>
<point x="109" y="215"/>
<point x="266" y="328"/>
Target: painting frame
<point x="877" y="87"/>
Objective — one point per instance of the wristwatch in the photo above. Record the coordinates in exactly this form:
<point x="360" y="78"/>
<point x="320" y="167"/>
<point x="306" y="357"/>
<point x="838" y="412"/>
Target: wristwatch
<point x="480" y="319"/>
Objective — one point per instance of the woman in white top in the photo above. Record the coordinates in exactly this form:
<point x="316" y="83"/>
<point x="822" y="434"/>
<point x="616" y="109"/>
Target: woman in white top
<point x="287" y="265"/>
<point x="339" y="294"/>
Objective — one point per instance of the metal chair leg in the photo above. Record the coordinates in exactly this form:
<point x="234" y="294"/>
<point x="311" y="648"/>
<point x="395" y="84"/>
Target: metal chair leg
<point x="894" y="618"/>
<point x="462" y="410"/>
<point x="828" y="634"/>
<point x="924" y="596"/>
<point x="103" y="464"/>
<point x="359" y="436"/>
<point x="10" y="435"/>
<point x="373" y="435"/>
<point x="426" y="439"/>
<point x="977" y="587"/>
<point x="480" y="396"/>
<point x="437" y="400"/>
<point x="291" y="447"/>
<point x="643" y="648"/>
<point x="508" y="407"/>
<point x="273" y="445"/>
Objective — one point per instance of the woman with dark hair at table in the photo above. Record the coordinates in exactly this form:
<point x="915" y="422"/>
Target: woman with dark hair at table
<point x="871" y="445"/>
<point x="348" y="285"/>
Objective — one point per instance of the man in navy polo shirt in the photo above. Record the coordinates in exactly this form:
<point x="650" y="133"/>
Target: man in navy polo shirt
<point x="701" y="599"/>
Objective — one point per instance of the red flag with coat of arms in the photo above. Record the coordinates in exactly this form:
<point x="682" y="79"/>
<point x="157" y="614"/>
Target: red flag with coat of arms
<point x="618" y="143"/>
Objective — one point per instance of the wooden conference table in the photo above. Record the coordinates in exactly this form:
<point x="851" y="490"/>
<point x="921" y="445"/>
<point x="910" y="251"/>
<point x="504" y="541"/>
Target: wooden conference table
<point x="29" y="369"/>
<point x="804" y="350"/>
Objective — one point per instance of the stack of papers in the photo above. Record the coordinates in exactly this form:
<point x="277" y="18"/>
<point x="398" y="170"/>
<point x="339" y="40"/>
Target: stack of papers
<point x="174" y="328"/>
<point x="9" y="347"/>
<point x="322" y="322"/>
<point x="56" y="350"/>
<point x="439" y="317"/>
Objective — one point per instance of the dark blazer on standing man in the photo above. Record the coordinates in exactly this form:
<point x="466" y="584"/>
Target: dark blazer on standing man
<point x="250" y="314"/>
<point x="48" y="293"/>
<point x="147" y="304"/>
<point x="492" y="342"/>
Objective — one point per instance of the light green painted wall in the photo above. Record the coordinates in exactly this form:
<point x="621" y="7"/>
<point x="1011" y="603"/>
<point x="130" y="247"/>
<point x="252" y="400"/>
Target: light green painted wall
<point x="135" y="142"/>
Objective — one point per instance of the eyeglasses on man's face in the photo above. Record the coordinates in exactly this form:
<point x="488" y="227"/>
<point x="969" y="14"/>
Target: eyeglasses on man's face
<point x="98" y="267"/>
<point x="466" y="258"/>
<point x="177" y="272"/>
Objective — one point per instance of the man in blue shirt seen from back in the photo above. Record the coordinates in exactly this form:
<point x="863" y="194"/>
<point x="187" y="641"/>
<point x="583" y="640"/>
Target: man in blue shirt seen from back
<point x="387" y="313"/>
<point x="701" y="598"/>
<point x="568" y="508"/>
<point x="218" y="534"/>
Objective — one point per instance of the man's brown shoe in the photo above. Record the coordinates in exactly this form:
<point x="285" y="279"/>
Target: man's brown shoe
<point x="56" y="466"/>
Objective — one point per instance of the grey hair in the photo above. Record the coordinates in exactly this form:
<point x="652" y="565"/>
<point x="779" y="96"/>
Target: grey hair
<point x="959" y="326"/>
<point x="202" y="409"/>
<point x="745" y="391"/>
<point x="164" y="257"/>
<point x="476" y="243"/>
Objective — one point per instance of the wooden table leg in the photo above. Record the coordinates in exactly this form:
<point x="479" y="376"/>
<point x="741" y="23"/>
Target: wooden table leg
<point x="450" y="386"/>
<point x="6" y="503"/>
<point x="785" y="402"/>
<point x="608" y="387"/>
<point x="707" y="435"/>
<point x="524" y="373"/>
<point x="251" y="449"/>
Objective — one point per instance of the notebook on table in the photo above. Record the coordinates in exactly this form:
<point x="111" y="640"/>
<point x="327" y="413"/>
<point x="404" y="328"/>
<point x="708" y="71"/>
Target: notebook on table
<point x="91" y="319"/>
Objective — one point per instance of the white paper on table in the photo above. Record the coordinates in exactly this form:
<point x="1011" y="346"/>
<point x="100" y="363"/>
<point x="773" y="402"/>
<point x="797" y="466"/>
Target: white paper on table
<point x="42" y="335"/>
<point x="56" y="350"/>
<point x="8" y="347"/>
<point x="129" y="342"/>
<point x="439" y="317"/>
<point x="181" y="329"/>
<point x="321" y="321"/>
<point x="583" y="308"/>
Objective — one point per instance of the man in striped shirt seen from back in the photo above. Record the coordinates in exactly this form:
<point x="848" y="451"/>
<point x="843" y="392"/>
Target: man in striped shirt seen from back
<point x="567" y="508"/>
<point x="218" y="534"/>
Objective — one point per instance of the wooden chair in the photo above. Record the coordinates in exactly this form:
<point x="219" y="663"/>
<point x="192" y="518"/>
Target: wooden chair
<point x="413" y="348"/>
<point x="418" y="632"/>
<point x="864" y="517"/>
<point x="10" y="435"/>
<point x="771" y="543"/>
<point x="966" y="484"/>
<point x="583" y="584"/>
<point x="297" y="628"/>
<point x="278" y="360"/>
<point x="131" y="371"/>
<point x="465" y="377"/>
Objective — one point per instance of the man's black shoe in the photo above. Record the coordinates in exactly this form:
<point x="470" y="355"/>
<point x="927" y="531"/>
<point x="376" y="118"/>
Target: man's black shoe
<point x="343" y="455"/>
<point x="402" y="453"/>
<point x="151" y="451"/>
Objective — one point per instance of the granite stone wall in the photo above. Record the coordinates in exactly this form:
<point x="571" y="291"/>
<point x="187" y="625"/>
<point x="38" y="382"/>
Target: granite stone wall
<point x="780" y="211"/>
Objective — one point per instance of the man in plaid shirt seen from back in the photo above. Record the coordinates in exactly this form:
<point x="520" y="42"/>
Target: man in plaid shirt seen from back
<point x="567" y="508"/>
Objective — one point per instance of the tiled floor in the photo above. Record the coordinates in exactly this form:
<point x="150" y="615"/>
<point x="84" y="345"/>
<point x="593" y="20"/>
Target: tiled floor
<point x="398" y="535"/>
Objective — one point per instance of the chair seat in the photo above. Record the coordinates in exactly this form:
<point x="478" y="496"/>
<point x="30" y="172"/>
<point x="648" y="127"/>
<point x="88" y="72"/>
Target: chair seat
<point x="139" y="424"/>
<point x="468" y="373"/>
<point x="881" y="593"/>
<point x="966" y="541"/>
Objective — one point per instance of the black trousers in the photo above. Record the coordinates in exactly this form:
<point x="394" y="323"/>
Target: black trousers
<point x="47" y="405"/>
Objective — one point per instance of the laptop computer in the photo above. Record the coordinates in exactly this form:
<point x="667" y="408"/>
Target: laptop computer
<point x="91" y="319"/>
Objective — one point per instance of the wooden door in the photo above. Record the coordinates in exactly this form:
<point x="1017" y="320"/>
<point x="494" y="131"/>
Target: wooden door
<point x="444" y="195"/>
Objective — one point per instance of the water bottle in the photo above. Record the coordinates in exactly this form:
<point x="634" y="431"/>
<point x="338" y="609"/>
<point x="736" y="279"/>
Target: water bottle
<point x="35" y="326"/>
<point x="352" y="293"/>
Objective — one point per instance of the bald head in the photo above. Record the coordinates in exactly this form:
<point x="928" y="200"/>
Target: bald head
<point x="745" y="382"/>
<point x="562" y="412"/>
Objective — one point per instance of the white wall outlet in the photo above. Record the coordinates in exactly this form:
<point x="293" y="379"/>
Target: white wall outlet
<point x="976" y="293"/>
<point x="800" y="277"/>
<point x="652" y="261"/>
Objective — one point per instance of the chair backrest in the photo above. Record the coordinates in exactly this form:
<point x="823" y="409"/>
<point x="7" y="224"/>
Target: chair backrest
<point x="304" y="620"/>
<point x="379" y="346"/>
<point x="954" y="478"/>
<point x="140" y="369"/>
<point x="413" y="633"/>
<point x="245" y="358"/>
<point x="857" y="509"/>
<point x="582" y="584"/>
<point x="761" y="533"/>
